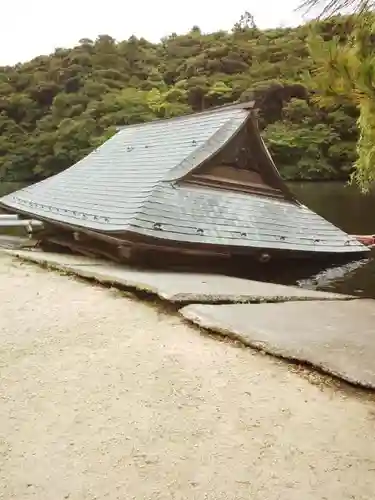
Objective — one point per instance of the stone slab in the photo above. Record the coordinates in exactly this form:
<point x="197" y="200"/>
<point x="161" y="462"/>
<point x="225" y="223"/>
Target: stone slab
<point x="14" y="242"/>
<point x="336" y="336"/>
<point x="179" y="287"/>
<point x="56" y="260"/>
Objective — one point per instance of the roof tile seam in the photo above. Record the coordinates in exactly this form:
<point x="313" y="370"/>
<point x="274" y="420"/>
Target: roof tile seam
<point x="165" y="210"/>
<point x="216" y="192"/>
<point x="243" y="230"/>
<point x="195" y="238"/>
<point x="304" y="213"/>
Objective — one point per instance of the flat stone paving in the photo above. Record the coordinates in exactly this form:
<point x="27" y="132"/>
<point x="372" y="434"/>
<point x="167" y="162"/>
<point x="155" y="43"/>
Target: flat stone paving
<point x="178" y="287"/>
<point x="64" y="261"/>
<point x="337" y="337"/>
<point x="14" y="242"/>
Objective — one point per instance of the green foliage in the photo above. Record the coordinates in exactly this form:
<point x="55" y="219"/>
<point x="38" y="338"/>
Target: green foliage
<point x="345" y="68"/>
<point x="305" y="141"/>
<point x="54" y="109"/>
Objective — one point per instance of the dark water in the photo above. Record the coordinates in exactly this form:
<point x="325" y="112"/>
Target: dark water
<point x="353" y="212"/>
<point x="345" y="207"/>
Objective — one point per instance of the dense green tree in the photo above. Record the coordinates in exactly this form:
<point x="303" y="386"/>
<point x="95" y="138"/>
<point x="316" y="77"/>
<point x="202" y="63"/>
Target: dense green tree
<point x="56" y="108"/>
<point x="345" y="66"/>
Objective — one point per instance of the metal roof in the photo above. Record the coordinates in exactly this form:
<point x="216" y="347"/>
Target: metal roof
<point x="128" y="184"/>
<point x="199" y="214"/>
<point x="107" y="188"/>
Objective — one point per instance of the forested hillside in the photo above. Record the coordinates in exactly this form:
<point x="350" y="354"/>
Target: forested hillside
<point x="54" y="109"/>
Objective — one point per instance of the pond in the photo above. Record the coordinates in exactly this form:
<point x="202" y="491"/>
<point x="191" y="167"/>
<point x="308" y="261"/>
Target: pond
<point x="353" y="212"/>
<point x="345" y="207"/>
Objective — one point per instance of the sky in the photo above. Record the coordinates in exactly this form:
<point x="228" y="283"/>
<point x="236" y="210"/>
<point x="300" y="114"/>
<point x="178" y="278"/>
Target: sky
<point x="31" y="28"/>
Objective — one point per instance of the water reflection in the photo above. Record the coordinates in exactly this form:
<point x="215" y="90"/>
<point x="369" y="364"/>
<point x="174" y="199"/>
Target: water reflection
<point x="343" y="277"/>
<point x="343" y="205"/>
<point x="353" y="212"/>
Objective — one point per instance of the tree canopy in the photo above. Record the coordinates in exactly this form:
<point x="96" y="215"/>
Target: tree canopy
<point x="345" y="68"/>
<point x="54" y="109"/>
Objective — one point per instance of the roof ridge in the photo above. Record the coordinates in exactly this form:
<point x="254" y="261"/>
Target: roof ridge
<point x="248" y="105"/>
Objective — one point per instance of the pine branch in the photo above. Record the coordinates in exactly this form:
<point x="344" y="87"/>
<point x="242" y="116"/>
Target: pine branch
<point x="334" y="7"/>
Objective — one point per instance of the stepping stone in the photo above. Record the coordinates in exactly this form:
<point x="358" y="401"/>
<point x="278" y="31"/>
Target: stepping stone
<point x="55" y="260"/>
<point x="14" y="242"/>
<point x="337" y="337"/>
<point x="179" y="287"/>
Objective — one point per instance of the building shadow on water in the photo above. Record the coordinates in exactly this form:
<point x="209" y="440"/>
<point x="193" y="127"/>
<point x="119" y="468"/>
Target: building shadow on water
<point x="338" y="275"/>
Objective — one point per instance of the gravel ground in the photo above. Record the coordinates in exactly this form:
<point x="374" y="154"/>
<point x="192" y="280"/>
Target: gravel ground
<point x="106" y="397"/>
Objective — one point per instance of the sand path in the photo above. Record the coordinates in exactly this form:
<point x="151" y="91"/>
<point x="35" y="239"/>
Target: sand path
<point x="105" y="397"/>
